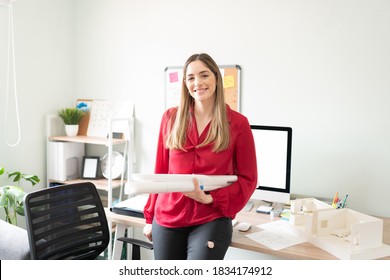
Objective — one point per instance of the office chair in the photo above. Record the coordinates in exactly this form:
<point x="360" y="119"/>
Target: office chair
<point x="66" y="222"/>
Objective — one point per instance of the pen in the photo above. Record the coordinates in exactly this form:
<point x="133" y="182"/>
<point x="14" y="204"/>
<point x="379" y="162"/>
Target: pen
<point x="345" y="200"/>
<point x="335" y="199"/>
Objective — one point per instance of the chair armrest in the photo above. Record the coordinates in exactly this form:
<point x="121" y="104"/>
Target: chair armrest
<point x="137" y="242"/>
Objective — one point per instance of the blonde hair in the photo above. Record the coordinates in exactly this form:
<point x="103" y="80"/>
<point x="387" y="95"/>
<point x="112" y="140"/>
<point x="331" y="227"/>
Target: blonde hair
<point x="219" y="132"/>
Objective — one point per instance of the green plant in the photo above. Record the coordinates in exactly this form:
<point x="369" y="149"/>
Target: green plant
<point x="71" y="115"/>
<point x="11" y="197"/>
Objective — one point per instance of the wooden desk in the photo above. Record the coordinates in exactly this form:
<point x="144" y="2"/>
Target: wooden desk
<point x="303" y="251"/>
<point x="121" y="222"/>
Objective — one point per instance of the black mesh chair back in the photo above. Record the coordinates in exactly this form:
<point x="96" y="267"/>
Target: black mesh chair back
<point x="66" y="222"/>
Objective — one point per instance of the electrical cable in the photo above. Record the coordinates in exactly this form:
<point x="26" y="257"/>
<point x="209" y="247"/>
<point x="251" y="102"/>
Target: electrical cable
<point x="11" y="53"/>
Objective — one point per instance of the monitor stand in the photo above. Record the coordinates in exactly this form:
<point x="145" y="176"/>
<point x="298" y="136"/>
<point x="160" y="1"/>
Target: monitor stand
<point x="248" y="206"/>
<point x="277" y="206"/>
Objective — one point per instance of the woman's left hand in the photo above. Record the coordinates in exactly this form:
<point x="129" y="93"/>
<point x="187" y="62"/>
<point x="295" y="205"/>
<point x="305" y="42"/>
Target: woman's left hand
<point x="198" y="194"/>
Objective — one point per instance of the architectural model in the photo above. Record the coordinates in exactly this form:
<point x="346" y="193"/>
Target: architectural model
<point x="345" y="233"/>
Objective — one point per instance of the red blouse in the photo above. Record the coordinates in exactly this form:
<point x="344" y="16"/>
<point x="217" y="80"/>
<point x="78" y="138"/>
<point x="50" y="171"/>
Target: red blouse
<point x="177" y="210"/>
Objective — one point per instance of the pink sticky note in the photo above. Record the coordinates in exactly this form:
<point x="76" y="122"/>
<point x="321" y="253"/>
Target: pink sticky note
<point x="173" y="77"/>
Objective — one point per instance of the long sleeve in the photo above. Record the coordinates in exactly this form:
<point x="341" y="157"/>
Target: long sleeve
<point x="161" y="166"/>
<point x="177" y="210"/>
<point x="231" y="200"/>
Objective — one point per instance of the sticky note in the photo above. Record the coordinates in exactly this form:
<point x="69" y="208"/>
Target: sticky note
<point x="173" y="77"/>
<point x="228" y="81"/>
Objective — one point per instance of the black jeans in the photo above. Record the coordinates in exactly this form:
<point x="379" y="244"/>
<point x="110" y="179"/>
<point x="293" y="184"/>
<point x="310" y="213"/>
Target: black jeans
<point x="208" y="241"/>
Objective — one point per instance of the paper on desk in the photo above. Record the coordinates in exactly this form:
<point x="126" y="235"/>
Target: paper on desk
<point x="136" y="203"/>
<point x="277" y="235"/>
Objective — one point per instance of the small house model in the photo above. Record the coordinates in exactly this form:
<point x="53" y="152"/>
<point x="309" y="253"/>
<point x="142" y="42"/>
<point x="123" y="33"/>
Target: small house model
<point x="345" y="233"/>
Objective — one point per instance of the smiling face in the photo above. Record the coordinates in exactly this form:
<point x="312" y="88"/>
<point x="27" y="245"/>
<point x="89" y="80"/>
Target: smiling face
<point x="200" y="82"/>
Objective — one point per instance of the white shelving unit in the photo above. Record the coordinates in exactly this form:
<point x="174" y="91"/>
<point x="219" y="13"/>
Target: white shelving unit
<point x="107" y="185"/>
<point x="55" y="132"/>
<point x="102" y="184"/>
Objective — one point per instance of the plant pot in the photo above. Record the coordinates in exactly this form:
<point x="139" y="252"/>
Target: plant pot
<point x="71" y="129"/>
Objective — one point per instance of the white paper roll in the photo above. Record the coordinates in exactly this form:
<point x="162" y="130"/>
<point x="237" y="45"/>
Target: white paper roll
<point x="163" y="183"/>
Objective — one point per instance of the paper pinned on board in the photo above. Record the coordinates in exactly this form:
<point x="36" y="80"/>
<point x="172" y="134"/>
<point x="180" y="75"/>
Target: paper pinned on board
<point x="163" y="183"/>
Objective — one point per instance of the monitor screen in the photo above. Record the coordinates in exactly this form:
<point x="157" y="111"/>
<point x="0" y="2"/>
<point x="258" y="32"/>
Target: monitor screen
<point x="273" y="154"/>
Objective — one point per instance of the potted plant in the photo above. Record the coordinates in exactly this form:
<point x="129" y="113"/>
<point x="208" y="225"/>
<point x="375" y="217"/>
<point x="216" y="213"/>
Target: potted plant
<point x="11" y="197"/>
<point x="71" y="118"/>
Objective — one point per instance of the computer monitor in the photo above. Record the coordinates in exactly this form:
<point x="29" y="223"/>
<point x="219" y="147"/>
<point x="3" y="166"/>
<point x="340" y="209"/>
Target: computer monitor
<point x="273" y="154"/>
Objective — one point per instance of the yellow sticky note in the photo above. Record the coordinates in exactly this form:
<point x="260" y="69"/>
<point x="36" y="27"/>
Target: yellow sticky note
<point x="228" y="81"/>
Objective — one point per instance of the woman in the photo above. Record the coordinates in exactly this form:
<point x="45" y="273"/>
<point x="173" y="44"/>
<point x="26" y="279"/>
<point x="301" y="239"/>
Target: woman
<point x="201" y="136"/>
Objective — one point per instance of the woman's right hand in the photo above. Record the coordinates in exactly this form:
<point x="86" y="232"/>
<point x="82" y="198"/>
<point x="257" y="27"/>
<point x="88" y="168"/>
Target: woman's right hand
<point x="148" y="231"/>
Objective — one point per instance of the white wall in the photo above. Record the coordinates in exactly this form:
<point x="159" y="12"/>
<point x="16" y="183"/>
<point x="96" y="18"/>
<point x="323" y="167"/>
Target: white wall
<point x="321" y="67"/>
<point x="44" y="55"/>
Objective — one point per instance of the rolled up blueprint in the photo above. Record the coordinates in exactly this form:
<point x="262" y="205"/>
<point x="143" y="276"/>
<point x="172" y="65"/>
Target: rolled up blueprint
<point x="163" y="183"/>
